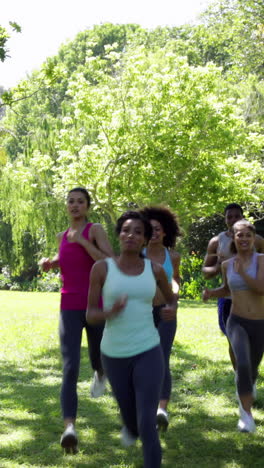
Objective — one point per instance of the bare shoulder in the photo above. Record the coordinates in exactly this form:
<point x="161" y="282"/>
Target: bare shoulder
<point x="260" y="257"/>
<point x="259" y="243"/>
<point x="175" y="257"/>
<point x="96" y="227"/>
<point x="96" y="230"/>
<point x="213" y="244"/>
<point x="99" y="269"/>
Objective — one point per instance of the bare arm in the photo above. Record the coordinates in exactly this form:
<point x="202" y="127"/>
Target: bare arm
<point x="256" y="285"/>
<point x="223" y="291"/>
<point x="259" y="244"/>
<point x="211" y="266"/>
<point x="98" y="247"/>
<point x="97" y="279"/>
<point x="169" y="311"/>
<point x="175" y="259"/>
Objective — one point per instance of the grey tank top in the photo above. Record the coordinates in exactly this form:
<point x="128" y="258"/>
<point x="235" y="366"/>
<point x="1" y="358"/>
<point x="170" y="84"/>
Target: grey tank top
<point x="234" y="280"/>
<point x="224" y="243"/>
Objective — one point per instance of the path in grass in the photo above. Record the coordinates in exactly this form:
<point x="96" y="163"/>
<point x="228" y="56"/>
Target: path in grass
<point x="203" y="410"/>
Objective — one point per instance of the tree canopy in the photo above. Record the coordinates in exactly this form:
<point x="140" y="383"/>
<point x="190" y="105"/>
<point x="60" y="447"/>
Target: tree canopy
<point x="172" y="115"/>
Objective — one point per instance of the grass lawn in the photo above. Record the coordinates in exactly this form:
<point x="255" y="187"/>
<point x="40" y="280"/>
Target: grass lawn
<point x="203" y="410"/>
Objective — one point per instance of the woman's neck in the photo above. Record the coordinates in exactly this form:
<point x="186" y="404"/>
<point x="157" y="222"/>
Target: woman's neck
<point x="155" y="248"/>
<point x="245" y="255"/>
<point x="78" y="224"/>
<point x="131" y="258"/>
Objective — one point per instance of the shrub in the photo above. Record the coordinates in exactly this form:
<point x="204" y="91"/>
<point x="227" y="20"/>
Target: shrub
<point x="192" y="279"/>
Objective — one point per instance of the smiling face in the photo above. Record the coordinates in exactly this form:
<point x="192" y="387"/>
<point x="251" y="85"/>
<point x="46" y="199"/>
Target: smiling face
<point x="158" y="233"/>
<point x="77" y="205"/>
<point x="244" y="238"/>
<point x="132" y="236"/>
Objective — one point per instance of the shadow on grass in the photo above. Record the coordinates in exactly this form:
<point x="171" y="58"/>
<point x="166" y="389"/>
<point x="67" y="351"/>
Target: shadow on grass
<point x="198" y="436"/>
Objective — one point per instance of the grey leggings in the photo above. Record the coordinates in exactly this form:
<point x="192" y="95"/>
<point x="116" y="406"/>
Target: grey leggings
<point x="247" y="340"/>
<point x="72" y="323"/>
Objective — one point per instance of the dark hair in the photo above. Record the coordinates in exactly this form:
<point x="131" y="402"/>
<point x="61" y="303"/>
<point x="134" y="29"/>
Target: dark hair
<point x="135" y="215"/>
<point x="84" y="192"/>
<point x="233" y="206"/>
<point x="168" y="221"/>
<point x="244" y="223"/>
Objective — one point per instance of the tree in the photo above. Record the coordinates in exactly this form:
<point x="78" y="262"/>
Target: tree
<point x="4" y="36"/>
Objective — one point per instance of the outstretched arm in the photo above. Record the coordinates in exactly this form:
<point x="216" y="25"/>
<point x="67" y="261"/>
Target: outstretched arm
<point x="223" y="291"/>
<point x="212" y="265"/>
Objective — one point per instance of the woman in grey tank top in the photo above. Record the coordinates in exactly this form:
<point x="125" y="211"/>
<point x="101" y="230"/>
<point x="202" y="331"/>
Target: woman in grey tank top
<point x="243" y="277"/>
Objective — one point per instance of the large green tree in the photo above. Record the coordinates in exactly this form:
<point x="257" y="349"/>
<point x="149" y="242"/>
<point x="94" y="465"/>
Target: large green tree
<point x="137" y="117"/>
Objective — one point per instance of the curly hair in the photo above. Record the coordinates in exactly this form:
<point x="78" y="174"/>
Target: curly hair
<point x="135" y="215"/>
<point x="168" y="221"/>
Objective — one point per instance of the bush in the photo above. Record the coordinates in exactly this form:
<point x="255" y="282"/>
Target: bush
<point x="192" y="279"/>
<point x="48" y="282"/>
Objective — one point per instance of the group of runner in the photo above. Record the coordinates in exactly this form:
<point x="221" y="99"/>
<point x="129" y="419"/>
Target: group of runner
<point x="130" y="317"/>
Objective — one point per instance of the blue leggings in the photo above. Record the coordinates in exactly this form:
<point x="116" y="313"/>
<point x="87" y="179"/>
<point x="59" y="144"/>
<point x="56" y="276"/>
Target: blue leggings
<point x="167" y="331"/>
<point x="71" y="326"/>
<point x="136" y="384"/>
<point x="224" y="307"/>
<point x="247" y="340"/>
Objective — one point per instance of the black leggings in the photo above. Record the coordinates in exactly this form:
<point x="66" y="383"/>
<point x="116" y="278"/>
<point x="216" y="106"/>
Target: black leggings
<point x="247" y="340"/>
<point x="167" y="331"/>
<point x="136" y="383"/>
<point x="71" y="326"/>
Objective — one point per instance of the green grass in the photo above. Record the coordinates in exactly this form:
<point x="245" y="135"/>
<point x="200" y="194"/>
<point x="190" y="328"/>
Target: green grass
<point x="203" y="410"/>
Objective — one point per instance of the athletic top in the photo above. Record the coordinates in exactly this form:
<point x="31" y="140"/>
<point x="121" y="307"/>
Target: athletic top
<point x="167" y="265"/>
<point x="75" y="265"/>
<point x="234" y="280"/>
<point x="133" y="331"/>
<point x="224" y="244"/>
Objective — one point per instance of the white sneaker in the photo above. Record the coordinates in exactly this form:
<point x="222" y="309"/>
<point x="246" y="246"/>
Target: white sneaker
<point x="162" y="419"/>
<point x="246" y="422"/>
<point x="254" y="393"/>
<point x="98" y="385"/>
<point x="69" y="440"/>
<point x="127" y="439"/>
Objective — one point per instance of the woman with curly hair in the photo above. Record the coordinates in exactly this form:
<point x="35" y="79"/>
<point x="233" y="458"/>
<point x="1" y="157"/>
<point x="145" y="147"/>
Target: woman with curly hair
<point x="130" y="348"/>
<point x="160" y="249"/>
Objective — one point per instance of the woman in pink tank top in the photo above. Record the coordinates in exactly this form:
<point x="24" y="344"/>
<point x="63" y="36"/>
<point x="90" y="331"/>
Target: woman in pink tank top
<point x="80" y="246"/>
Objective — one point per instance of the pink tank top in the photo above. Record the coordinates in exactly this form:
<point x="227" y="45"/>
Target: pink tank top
<point x="75" y="265"/>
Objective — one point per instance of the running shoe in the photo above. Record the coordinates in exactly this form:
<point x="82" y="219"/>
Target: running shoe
<point x="162" y="419"/>
<point x="98" y="385"/>
<point x="69" y="440"/>
<point x="127" y="438"/>
<point x="246" y="422"/>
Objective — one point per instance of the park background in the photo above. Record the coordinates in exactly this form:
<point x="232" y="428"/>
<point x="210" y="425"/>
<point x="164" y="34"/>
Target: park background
<point x="169" y="115"/>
